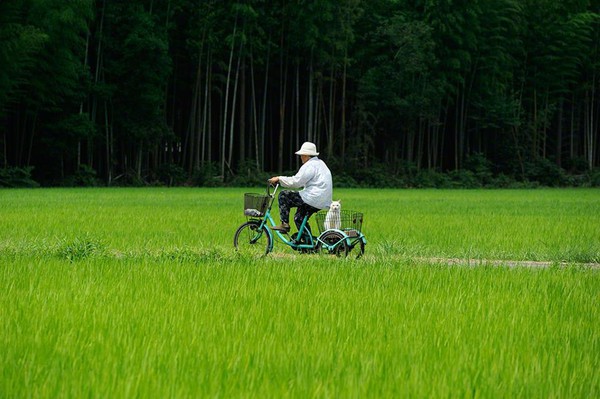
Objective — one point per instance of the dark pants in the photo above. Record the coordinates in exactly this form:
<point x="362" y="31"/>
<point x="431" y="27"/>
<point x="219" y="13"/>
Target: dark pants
<point x="291" y="199"/>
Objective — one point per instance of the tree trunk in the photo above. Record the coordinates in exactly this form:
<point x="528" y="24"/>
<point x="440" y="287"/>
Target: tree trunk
<point x="264" y="110"/>
<point x="572" y="129"/>
<point x="282" y="122"/>
<point x="456" y="130"/>
<point x="254" y="113"/>
<point x="193" y="131"/>
<point x="462" y="129"/>
<point x="545" y="123"/>
<point x="282" y="97"/>
<point x="410" y="144"/>
<point x="443" y="132"/>
<point x="224" y="124"/>
<point x="297" y="131"/>
<point x="318" y="115"/>
<point x="590" y="125"/>
<point x="242" y="112"/>
<point x="534" y="146"/>
<point x="4" y="151"/>
<point x="108" y="138"/>
<point x="343" y="121"/>
<point x="22" y="133"/>
<point x="138" y="166"/>
<point x="331" y="109"/>
<point x="85" y="63"/>
<point x="309" y="124"/>
<point x="33" y="127"/>
<point x="559" y="133"/>
<point x="99" y="64"/>
<point x="595" y="126"/>
<point x="206" y="111"/>
<point x="233" y="109"/>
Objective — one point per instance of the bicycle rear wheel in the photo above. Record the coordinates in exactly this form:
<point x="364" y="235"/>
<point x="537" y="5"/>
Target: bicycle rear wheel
<point x="336" y="240"/>
<point x="251" y="239"/>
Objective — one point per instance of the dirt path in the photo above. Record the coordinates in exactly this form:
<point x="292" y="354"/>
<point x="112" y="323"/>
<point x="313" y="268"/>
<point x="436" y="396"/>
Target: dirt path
<point x="509" y="263"/>
<point x="460" y="261"/>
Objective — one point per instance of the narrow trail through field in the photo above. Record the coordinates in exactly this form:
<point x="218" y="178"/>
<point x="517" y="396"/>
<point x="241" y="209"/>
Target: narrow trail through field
<point x="509" y="263"/>
<point x="460" y="261"/>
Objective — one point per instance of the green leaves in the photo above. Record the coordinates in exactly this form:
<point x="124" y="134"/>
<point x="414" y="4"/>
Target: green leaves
<point x="115" y="82"/>
<point x="398" y="88"/>
<point x="138" y="67"/>
<point x="19" y="43"/>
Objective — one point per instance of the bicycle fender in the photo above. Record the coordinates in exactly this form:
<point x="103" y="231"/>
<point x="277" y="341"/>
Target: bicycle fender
<point x="270" y="234"/>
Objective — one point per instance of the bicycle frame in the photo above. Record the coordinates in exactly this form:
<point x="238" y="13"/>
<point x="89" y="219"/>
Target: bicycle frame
<point x="268" y="222"/>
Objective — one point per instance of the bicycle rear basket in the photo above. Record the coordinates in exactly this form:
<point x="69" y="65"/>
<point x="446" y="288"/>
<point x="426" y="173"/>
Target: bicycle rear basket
<point x="255" y="205"/>
<point x="346" y="220"/>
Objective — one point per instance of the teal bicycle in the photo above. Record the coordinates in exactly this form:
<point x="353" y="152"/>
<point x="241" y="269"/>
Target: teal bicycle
<point x="257" y="237"/>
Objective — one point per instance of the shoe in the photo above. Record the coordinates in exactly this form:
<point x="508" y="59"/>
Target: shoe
<point x="283" y="228"/>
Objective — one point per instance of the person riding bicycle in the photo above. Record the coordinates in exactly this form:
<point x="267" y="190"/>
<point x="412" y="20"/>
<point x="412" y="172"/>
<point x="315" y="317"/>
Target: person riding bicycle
<point x="314" y="177"/>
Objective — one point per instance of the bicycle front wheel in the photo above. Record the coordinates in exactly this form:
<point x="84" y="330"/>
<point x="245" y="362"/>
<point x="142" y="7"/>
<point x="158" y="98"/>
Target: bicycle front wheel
<point x="252" y="239"/>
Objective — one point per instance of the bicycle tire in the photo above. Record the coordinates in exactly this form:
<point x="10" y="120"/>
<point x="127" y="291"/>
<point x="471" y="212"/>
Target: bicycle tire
<point x="331" y="238"/>
<point x="252" y="239"/>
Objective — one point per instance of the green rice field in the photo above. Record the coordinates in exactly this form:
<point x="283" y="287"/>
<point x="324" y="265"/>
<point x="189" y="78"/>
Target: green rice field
<point x="128" y="293"/>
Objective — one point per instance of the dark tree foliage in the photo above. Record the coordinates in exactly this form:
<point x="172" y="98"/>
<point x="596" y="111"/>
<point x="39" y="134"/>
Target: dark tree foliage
<point x="452" y="93"/>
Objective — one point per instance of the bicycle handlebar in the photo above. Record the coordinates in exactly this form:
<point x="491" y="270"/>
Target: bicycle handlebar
<point x="269" y="185"/>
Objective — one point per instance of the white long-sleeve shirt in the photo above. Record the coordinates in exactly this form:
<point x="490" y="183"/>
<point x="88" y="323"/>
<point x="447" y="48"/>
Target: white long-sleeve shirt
<point x="315" y="177"/>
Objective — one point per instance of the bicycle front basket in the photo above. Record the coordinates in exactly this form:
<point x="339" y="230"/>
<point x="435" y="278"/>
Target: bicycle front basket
<point x="255" y="205"/>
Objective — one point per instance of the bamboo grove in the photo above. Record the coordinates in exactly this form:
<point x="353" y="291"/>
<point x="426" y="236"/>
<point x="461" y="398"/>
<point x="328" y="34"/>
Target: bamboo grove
<point x="134" y="89"/>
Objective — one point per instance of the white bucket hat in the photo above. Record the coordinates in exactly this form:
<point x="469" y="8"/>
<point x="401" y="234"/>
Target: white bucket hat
<point x="308" y="148"/>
